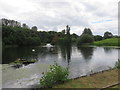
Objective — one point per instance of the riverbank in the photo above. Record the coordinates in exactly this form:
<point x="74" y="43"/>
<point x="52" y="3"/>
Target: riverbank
<point x="108" y="42"/>
<point x="99" y="80"/>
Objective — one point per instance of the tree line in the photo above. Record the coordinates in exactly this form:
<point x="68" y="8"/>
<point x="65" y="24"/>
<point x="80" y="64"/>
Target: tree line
<point x="13" y="33"/>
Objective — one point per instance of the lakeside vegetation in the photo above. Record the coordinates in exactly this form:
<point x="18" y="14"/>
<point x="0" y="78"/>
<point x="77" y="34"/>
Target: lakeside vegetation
<point x="56" y="75"/>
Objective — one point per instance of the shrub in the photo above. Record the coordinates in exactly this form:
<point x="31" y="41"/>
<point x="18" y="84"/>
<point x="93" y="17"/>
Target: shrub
<point x="55" y="75"/>
<point x="98" y="38"/>
<point x="117" y="64"/>
<point x="85" y="38"/>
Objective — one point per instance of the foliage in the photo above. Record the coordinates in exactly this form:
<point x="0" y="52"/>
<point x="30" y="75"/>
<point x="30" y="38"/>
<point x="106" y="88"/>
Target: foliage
<point x="15" y="33"/>
<point x="98" y="38"/>
<point x="74" y="37"/>
<point x="19" y="36"/>
<point x="34" y="28"/>
<point x="85" y="38"/>
<point x="25" y="37"/>
<point x="65" y="38"/>
<point x="108" y="42"/>
<point x="117" y="64"/>
<point x="87" y="31"/>
<point x="55" y="75"/>
<point x="108" y="35"/>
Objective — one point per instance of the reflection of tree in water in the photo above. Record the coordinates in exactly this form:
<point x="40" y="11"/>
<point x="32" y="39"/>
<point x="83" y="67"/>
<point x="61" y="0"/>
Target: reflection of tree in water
<point x="12" y="53"/>
<point x="107" y="50"/>
<point x="86" y="52"/>
<point x="66" y="52"/>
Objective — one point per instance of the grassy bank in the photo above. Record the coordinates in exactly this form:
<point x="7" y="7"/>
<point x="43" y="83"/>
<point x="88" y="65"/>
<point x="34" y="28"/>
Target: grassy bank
<point x="99" y="80"/>
<point x="108" y="42"/>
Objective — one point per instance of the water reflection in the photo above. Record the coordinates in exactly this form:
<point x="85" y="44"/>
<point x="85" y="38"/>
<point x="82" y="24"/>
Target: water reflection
<point x="79" y="60"/>
<point x="108" y="50"/>
<point x="11" y="54"/>
<point x="66" y="51"/>
<point x="87" y="52"/>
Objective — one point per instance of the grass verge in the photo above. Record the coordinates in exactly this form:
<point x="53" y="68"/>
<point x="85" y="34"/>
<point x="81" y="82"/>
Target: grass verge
<point x="98" y="80"/>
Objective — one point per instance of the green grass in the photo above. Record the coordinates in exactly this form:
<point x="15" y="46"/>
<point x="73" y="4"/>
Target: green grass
<point x="108" y="42"/>
<point x="99" y="80"/>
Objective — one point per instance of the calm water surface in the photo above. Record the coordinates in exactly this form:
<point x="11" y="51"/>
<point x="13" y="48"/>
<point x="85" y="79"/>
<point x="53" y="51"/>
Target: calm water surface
<point x="80" y="61"/>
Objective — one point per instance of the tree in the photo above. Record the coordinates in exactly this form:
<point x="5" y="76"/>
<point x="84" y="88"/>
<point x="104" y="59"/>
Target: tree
<point x="74" y="37"/>
<point x="98" y="38"/>
<point x="108" y="35"/>
<point x="12" y="23"/>
<point x="85" y="38"/>
<point x="34" y="28"/>
<point x="55" y="39"/>
<point x="63" y="31"/>
<point x="68" y="30"/>
<point x="87" y="31"/>
<point x="25" y="26"/>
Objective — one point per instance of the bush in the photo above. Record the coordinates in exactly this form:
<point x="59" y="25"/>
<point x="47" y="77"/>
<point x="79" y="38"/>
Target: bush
<point x="117" y="64"/>
<point x="55" y="75"/>
<point x="85" y="38"/>
<point x="98" y="38"/>
<point x="108" y="35"/>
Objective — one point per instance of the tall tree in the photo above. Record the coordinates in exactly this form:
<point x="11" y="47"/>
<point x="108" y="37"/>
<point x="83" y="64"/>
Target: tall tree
<point x="108" y="35"/>
<point x="87" y="31"/>
<point x="68" y="29"/>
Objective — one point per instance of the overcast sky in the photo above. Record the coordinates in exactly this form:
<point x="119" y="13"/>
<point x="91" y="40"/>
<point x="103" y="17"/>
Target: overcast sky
<point x="98" y="15"/>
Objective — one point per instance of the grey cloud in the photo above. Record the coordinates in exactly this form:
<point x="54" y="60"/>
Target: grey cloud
<point x="96" y="9"/>
<point x="52" y="14"/>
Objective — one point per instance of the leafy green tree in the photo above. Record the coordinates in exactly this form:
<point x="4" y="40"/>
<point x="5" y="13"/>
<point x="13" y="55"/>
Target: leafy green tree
<point x="74" y="37"/>
<point x="19" y="36"/>
<point x="65" y="39"/>
<point x="98" y="38"/>
<point x="87" y="31"/>
<point x="85" y="38"/>
<point x="108" y="35"/>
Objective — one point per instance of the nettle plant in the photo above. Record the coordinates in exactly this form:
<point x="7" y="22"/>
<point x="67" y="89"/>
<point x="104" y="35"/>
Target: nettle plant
<point x="56" y="75"/>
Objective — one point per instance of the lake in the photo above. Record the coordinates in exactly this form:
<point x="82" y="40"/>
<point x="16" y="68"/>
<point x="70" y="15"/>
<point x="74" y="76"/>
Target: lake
<point x="80" y="61"/>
